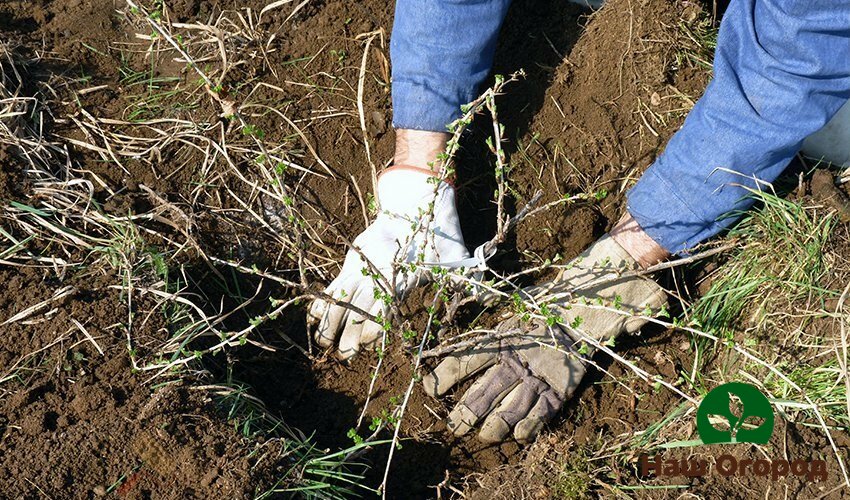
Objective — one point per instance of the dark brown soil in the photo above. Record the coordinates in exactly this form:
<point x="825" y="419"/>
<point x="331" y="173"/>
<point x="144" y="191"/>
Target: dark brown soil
<point x="78" y="423"/>
<point x="596" y="107"/>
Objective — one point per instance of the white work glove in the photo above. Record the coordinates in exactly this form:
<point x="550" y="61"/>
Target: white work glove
<point x="530" y="375"/>
<point x="405" y="195"/>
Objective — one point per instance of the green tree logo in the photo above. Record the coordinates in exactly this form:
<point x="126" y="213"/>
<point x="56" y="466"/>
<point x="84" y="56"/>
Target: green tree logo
<point x="734" y="406"/>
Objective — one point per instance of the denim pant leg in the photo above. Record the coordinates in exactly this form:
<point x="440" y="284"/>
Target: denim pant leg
<point x="441" y="51"/>
<point x="781" y="70"/>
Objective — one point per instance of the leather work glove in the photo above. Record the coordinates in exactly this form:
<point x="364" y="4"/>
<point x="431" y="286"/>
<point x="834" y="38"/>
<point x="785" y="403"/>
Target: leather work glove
<point x="405" y="195"/>
<point x="530" y="375"/>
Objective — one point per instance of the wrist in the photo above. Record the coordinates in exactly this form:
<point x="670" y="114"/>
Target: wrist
<point x="420" y="149"/>
<point x="634" y="240"/>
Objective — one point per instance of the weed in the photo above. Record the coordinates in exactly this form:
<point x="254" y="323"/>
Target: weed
<point x="699" y="41"/>
<point x="780" y="262"/>
<point x="254" y="131"/>
<point x="768" y="296"/>
<point x="574" y="479"/>
<point x="161" y="96"/>
<point x="311" y="472"/>
<point x="339" y="55"/>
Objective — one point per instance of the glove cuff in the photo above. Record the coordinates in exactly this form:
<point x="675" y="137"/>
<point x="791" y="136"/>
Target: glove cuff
<point x="410" y="168"/>
<point x="635" y="293"/>
<point x="404" y="190"/>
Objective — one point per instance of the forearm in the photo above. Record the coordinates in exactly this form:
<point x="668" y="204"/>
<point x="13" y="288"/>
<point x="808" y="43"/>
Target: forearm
<point x="441" y="51"/>
<point x="782" y="69"/>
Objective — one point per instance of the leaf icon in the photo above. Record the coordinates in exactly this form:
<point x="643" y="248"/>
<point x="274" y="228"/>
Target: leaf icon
<point x="736" y="406"/>
<point x="753" y="421"/>
<point x="723" y="413"/>
<point x="720" y="422"/>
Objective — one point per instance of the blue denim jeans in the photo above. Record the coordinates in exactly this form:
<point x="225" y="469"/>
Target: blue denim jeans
<point x="781" y="70"/>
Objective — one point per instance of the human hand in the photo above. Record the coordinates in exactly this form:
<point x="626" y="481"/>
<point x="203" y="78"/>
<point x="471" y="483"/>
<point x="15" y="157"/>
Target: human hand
<point x="395" y="238"/>
<point x="533" y="367"/>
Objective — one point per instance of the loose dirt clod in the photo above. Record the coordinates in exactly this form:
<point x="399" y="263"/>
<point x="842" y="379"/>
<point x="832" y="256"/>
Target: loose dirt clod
<point x="825" y="191"/>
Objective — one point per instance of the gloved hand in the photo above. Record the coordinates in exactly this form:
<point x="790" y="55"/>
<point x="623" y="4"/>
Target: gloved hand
<point x="530" y="375"/>
<point x="405" y="195"/>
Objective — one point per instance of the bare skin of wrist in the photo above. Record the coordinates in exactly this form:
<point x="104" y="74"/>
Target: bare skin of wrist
<point x="637" y="243"/>
<point x="419" y="148"/>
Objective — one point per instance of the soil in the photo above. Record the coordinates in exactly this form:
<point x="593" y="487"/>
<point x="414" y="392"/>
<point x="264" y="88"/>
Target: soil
<point x="825" y="192"/>
<point x="80" y="423"/>
<point x="603" y="93"/>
